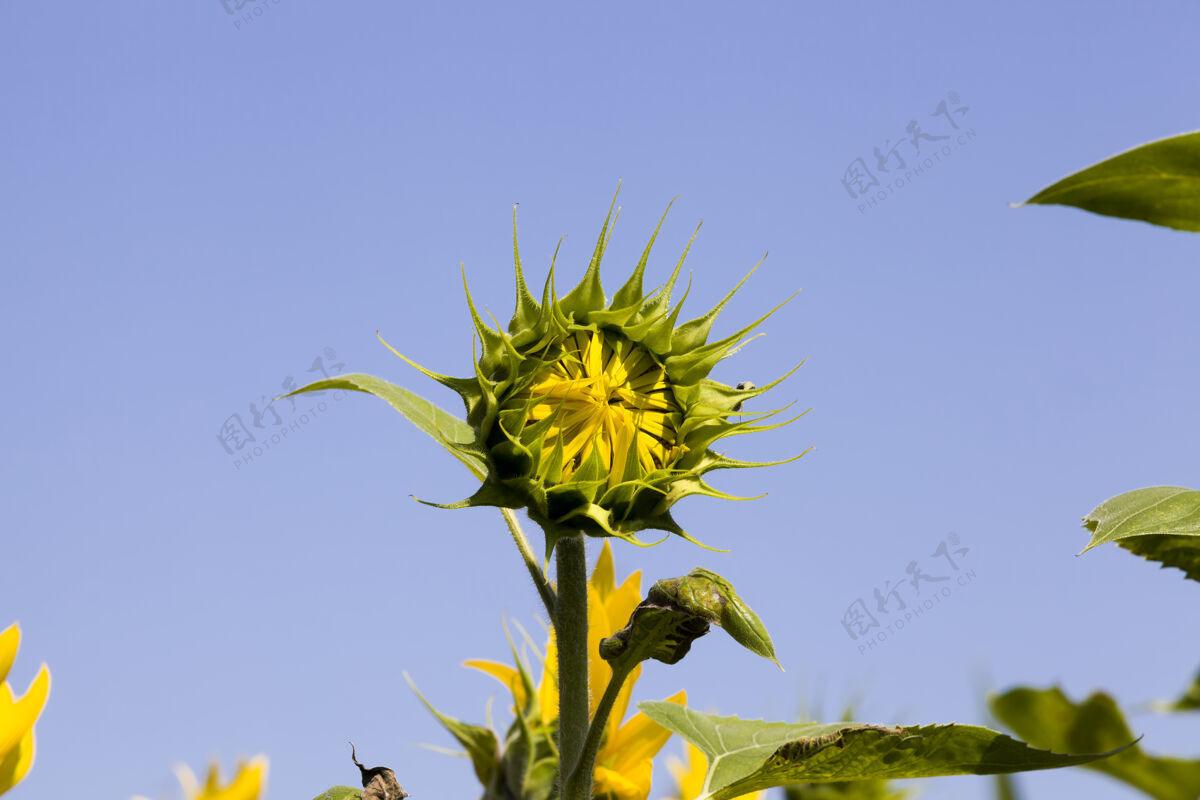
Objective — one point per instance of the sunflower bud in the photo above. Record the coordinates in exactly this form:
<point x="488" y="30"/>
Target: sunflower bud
<point x="597" y="415"/>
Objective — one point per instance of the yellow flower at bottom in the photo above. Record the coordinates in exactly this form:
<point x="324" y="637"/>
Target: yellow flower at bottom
<point x="689" y="776"/>
<point x="247" y="783"/>
<point x="17" y="716"/>
<point x="624" y="763"/>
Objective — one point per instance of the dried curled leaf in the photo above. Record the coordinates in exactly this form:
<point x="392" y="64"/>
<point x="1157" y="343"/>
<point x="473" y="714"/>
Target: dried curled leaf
<point x="379" y="783"/>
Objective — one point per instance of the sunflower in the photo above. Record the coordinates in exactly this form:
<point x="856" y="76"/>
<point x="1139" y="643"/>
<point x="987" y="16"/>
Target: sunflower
<point x="598" y="415"/>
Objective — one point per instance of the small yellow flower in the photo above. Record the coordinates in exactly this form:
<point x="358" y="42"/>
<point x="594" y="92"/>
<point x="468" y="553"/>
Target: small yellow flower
<point x="247" y="783"/>
<point x="625" y="761"/>
<point x="17" y="716"/>
<point x="689" y="775"/>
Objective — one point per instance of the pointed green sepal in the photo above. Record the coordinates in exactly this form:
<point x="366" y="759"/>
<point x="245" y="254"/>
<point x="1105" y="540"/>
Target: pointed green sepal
<point x="479" y="742"/>
<point x="691" y="335"/>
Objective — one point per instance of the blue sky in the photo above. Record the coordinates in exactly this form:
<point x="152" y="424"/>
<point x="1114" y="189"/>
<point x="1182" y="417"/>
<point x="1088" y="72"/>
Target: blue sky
<point x="196" y="210"/>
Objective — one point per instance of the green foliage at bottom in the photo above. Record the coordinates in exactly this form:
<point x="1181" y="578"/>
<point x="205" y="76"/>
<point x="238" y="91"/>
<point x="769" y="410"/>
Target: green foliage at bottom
<point x="1048" y="718"/>
<point x="339" y="793"/>
<point x="745" y="756"/>
<point x="845" y="790"/>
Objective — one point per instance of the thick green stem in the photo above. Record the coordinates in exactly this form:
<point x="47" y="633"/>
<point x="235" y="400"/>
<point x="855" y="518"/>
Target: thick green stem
<point x="570" y="629"/>
<point x="585" y="769"/>
<point x="531" y="563"/>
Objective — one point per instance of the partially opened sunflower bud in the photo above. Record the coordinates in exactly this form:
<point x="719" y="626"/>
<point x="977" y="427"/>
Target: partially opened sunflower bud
<point x="598" y="415"/>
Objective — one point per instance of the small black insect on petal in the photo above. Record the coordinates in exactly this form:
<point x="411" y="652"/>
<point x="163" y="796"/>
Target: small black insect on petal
<point x="379" y="783"/>
<point x="744" y="386"/>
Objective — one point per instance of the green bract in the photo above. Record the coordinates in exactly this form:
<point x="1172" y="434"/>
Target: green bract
<point x="599" y="415"/>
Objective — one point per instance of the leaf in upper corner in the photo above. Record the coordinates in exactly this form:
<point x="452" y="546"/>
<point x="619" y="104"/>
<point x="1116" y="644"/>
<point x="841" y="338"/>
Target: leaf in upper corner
<point x="747" y="755"/>
<point x="1048" y="718"/>
<point x="452" y="433"/>
<point x="1157" y="183"/>
<point x="1161" y="524"/>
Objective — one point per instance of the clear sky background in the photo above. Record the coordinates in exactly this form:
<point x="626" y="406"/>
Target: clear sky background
<point x="194" y="211"/>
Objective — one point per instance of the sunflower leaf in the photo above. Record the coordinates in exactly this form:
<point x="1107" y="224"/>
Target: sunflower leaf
<point x="1161" y="524"/>
<point x="449" y="431"/>
<point x="1157" y="183"/>
<point x="748" y="755"/>
<point x="1048" y="718"/>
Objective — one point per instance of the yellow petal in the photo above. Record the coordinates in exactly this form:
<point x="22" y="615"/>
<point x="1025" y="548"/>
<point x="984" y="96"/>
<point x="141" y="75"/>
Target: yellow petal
<point x="633" y="784"/>
<point x="622" y="602"/>
<point x="9" y="641"/>
<point x="595" y="355"/>
<point x="603" y="576"/>
<point x="507" y="675"/>
<point x="212" y="782"/>
<point x="16" y="763"/>
<point x="689" y="774"/>
<point x="249" y="782"/>
<point x="187" y="779"/>
<point x="19" y="717"/>
<point x="599" y="671"/>
<point x="548" y="688"/>
<point x="638" y="739"/>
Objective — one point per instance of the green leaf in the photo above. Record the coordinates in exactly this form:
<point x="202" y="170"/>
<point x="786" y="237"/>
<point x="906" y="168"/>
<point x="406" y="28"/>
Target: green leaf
<point x="748" y="755"/>
<point x="446" y="429"/>
<point x="1188" y="701"/>
<point x="1160" y="524"/>
<point x="676" y="612"/>
<point x="339" y="793"/>
<point x="1157" y="183"/>
<point x="1048" y="718"/>
<point x="1181" y="552"/>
